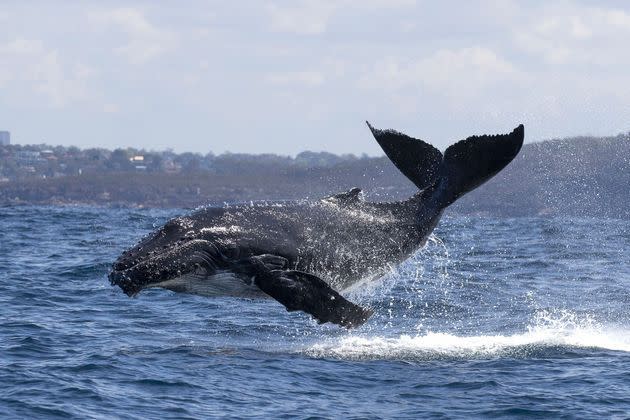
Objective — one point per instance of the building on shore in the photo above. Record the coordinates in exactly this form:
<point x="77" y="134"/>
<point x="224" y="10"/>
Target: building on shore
<point x="5" y="138"/>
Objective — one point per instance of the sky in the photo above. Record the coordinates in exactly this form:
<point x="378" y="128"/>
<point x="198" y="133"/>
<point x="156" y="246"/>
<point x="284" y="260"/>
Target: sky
<point x="284" y="77"/>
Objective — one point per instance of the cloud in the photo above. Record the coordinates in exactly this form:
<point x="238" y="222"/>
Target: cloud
<point x="144" y="42"/>
<point x="215" y="64"/>
<point x="109" y="108"/>
<point x="458" y="74"/>
<point x="312" y="17"/>
<point x="324" y="71"/>
<point x="464" y="70"/>
<point x="617" y="18"/>
<point x="309" y="17"/>
<point x="22" y="46"/>
<point x="309" y="78"/>
<point x="574" y="34"/>
<point x="381" y="4"/>
<point x="29" y="67"/>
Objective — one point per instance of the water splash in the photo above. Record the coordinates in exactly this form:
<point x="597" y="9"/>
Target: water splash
<point x="548" y="331"/>
<point x="411" y="275"/>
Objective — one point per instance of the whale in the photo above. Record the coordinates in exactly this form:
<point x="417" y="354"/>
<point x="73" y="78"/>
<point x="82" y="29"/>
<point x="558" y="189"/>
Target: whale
<point x="306" y="254"/>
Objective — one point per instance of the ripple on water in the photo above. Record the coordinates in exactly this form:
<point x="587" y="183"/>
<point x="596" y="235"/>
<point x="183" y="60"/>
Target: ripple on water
<point x="495" y="317"/>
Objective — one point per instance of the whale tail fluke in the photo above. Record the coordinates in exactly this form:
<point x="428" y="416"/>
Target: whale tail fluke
<point x="464" y="166"/>
<point x="418" y="161"/>
<point x="469" y="163"/>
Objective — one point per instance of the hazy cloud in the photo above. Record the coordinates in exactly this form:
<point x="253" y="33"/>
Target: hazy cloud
<point x="285" y="76"/>
<point x="309" y="78"/>
<point x="144" y="40"/>
<point x="30" y="67"/>
<point x="307" y="17"/>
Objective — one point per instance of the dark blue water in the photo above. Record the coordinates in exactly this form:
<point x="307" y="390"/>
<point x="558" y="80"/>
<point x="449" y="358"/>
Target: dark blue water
<point x="495" y="317"/>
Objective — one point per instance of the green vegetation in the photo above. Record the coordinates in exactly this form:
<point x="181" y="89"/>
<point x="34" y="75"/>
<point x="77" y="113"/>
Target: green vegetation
<point x="580" y="177"/>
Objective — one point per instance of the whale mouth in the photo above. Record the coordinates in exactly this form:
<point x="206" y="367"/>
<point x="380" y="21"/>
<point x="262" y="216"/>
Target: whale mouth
<point x="193" y="257"/>
<point x="129" y="286"/>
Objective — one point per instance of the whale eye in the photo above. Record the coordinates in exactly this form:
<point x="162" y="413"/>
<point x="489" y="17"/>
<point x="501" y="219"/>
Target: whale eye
<point x="171" y="227"/>
<point x="231" y="251"/>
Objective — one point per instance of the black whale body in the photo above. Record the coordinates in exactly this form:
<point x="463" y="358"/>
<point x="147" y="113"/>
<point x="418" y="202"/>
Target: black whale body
<point x="304" y="253"/>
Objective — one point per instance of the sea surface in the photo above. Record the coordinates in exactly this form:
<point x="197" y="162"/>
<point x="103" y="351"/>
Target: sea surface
<point x="493" y="318"/>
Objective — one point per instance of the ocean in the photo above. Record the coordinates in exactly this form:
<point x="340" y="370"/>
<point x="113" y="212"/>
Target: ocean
<point x="493" y="318"/>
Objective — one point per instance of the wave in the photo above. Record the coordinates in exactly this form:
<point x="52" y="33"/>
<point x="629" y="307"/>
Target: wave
<point x="548" y="332"/>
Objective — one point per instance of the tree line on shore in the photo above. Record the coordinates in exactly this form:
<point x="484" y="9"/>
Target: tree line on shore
<point x="582" y="176"/>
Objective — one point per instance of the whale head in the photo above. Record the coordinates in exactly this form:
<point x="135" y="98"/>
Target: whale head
<point x="172" y="251"/>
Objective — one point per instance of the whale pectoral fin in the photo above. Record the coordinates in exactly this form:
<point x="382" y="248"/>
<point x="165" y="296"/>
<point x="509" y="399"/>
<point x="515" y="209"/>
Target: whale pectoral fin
<point x="300" y="291"/>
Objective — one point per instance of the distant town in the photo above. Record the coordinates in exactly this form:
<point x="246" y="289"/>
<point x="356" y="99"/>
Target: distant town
<point x="583" y="176"/>
<point x="19" y="162"/>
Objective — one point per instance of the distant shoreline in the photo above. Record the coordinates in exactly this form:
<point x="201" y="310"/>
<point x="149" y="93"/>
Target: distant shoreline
<point x="587" y="177"/>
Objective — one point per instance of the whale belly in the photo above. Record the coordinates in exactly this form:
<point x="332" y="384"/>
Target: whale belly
<point x="220" y="283"/>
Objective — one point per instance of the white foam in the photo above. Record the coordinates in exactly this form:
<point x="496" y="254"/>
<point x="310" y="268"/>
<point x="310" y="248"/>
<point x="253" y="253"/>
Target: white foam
<point x="548" y="331"/>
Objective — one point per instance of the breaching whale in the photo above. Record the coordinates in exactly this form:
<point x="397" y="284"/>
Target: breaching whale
<point x="304" y="253"/>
